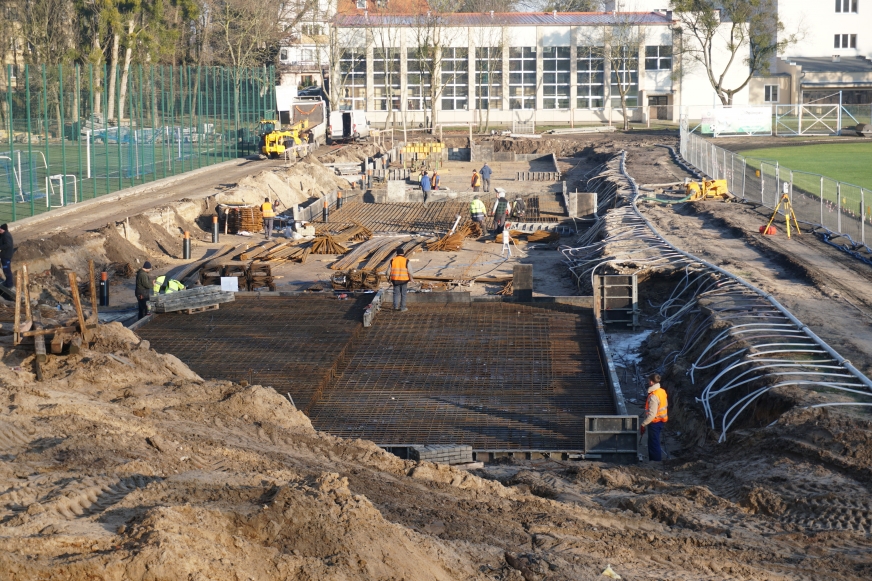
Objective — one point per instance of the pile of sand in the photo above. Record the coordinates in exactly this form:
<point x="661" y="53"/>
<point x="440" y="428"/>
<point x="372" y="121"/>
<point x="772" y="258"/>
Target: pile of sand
<point x="291" y="186"/>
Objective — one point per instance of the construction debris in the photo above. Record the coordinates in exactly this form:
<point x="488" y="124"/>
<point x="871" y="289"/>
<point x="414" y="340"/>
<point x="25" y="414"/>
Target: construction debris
<point x="327" y="244"/>
<point x="453" y="241"/>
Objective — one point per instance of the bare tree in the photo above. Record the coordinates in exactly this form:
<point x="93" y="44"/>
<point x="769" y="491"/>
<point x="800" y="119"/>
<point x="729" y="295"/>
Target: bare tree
<point x="431" y="35"/>
<point x="747" y="32"/>
<point x="621" y="43"/>
<point x="490" y="41"/>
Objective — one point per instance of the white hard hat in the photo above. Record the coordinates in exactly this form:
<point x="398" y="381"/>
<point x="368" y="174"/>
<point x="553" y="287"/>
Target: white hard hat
<point x="501" y="194"/>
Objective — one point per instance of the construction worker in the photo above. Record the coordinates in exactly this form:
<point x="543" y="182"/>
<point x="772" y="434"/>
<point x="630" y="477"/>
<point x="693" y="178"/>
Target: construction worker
<point x="476" y="181"/>
<point x="435" y="180"/>
<point x="519" y="208"/>
<point x="485" y="172"/>
<point x="426" y="186"/>
<point x="7" y="248"/>
<point x="500" y="212"/>
<point x="143" y="287"/>
<point x="400" y="276"/>
<point x="654" y="418"/>
<point x="166" y="285"/>
<point x="477" y="210"/>
<point x="268" y="216"/>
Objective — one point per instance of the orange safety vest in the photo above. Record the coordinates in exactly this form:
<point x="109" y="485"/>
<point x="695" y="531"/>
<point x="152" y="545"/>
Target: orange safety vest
<point x="661" y="410"/>
<point x="476" y="180"/>
<point x="400" y="268"/>
<point x="267" y="211"/>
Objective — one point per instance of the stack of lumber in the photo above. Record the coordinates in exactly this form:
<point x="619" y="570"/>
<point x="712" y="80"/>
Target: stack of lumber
<point x="451" y="242"/>
<point x="260" y="276"/>
<point x="251" y="254"/>
<point x="327" y="244"/>
<point x="244" y="219"/>
<point x="285" y="251"/>
<point x="237" y="271"/>
<point x="210" y="275"/>
<point x="192" y="299"/>
<point x="351" y="259"/>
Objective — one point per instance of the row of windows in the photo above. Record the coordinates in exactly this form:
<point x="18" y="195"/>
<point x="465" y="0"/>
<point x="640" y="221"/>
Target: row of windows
<point x="845" y="41"/>
<point x="488" y="79"/>
<point x="846" y="6"/>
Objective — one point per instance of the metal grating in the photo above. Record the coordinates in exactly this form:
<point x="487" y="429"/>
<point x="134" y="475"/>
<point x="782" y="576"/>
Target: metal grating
<point x="497" y="376"/>
<point x="399" y="217"/>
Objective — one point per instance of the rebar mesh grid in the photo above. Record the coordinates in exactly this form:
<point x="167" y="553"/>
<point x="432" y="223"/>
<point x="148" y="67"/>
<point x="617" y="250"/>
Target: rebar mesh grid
<point x="399" y="217"/>
<point x="492" y="375"/>
<point x="290" y="343"/>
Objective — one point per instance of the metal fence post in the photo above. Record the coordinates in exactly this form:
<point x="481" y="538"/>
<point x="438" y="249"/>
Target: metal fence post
<point x="862" y="215"/>
<point x="46" y="133"/>
<point x="29" y="138"/>
<point x="822" y="200"/>
<point x="744" y="170"/>
<point x="839" y="205"/>
<point x="11" y="116"/>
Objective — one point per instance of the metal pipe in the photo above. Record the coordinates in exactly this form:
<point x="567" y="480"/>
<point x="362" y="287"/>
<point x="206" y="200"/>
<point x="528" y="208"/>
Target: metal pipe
<point x="186" y="246"/>
<point x="215" y="229"/>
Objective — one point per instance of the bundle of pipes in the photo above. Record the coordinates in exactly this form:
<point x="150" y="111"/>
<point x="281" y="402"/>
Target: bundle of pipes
<point x="452" y="241"/>
<point x="356" y="233"/>
<point x="380" y="259"/>
<point x="327" y="244"/>
<point x="244" y="219"/>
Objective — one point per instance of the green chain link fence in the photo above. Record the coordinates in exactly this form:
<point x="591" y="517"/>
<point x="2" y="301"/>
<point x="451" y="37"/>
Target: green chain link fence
<point x="59" y="145"/>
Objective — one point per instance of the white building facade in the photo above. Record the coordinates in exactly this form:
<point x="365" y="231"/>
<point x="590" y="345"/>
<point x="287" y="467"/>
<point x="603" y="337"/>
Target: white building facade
<point x="548" y="68"/>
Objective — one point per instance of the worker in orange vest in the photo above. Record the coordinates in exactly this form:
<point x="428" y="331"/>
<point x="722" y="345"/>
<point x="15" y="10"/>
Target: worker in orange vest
<point x="268" y="215"/>
<point x="476" y="181"/>
<point x="655" y="417"/>
<point x="400" y="276"/>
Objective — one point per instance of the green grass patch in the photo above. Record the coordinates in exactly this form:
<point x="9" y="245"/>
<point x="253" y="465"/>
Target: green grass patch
<point x="845" y="162"/>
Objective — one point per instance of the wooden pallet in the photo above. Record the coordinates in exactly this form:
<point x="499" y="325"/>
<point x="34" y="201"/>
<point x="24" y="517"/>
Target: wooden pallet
<point x="193" y="310"/>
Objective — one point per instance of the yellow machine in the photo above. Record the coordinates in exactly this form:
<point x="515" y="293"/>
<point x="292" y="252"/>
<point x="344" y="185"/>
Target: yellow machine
<point x="274" y="141"/>
<point x="706" y="189"/>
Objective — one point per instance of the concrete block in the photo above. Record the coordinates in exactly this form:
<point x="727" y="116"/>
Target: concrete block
<point x="396" y="192"/>
<point x="585" y="205"/>
<point x="522" y="282"/>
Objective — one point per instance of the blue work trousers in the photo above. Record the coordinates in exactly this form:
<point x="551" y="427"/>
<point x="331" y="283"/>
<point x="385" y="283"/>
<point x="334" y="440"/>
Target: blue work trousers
<point x="655" y="453"/>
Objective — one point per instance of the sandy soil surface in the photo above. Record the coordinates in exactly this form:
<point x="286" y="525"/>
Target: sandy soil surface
<point x="123" y="464"/>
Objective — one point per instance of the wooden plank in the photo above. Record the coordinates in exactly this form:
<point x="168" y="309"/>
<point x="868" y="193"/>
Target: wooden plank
<point x="51" y="331"/>
<point x="39" y="347"/>
<point x="92" y="273"/>
<point x="195" y="266"/>
<point x="16" y="334"/>
<point x="77" y="303"/>
<point x="57" y="343"/>
<point x="26" y="294"/>
<point x="76" y="345"/>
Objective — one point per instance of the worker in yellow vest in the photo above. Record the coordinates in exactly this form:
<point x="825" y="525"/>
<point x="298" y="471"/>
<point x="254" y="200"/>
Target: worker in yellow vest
<point x="477" y="210"/>
<point x="165" y="285"/>
<point x="266" y="209"/>
<point x="400" y="276"/>
<point x="655" y="416"/>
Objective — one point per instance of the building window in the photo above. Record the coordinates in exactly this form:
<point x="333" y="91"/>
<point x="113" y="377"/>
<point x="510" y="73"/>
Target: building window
<point x="590" y="78"/>
<point x="845" y="41"/>
<point x="352" y="79"/>
<point x="312" y="29"/>
<point x="455" y="78"/>
<point x="770" y="93"/>
<point x="386" y="78"/>
<point x="625" y="77"/>
<point x="283" y="55"/>
<point x="418" y="79"/>
<point x="846" y="6"/>
<point x="658" y="58"/>
<point x="361" y="4"/>
<point x="555" y="77"/>
<point x="522" y="77"/>
<point x="489" y="77"/>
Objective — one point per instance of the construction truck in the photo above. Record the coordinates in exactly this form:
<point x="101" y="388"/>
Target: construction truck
<point x="275" y="141"/>
<point x="707" y="189"/>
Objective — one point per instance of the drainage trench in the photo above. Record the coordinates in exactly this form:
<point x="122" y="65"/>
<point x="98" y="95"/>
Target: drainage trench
<point x="495" y="376"/>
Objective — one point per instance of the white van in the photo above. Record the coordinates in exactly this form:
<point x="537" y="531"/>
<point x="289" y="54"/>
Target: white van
<point x="348" y="126"/>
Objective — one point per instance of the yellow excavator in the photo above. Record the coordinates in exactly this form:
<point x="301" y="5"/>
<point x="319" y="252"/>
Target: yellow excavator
<point x="274" y="140"/>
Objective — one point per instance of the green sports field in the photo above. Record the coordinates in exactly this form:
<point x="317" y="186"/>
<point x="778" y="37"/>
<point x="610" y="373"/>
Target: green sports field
<point x="846" y="162"/>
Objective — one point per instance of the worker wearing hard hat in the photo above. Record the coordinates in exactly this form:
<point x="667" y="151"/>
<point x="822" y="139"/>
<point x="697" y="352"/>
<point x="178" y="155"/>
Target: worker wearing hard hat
<point x="500" y="211"/>
<point x="655" y="417"/>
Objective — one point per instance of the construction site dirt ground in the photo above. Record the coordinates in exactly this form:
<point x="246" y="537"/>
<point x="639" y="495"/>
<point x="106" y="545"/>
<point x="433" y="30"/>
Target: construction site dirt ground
<point x="123" y="464"/>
